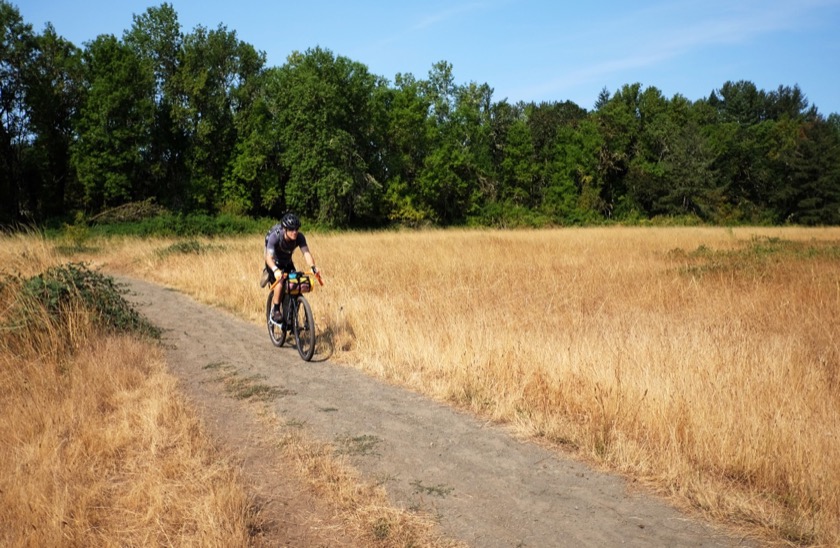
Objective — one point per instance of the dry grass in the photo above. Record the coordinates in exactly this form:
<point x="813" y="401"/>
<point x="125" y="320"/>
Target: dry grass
<point x="99" y="449"/>
<point x="702" y="361"/>
<point x="363" y="507"/>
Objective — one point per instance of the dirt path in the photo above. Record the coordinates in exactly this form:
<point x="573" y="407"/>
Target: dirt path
<point x="488" y="489"/>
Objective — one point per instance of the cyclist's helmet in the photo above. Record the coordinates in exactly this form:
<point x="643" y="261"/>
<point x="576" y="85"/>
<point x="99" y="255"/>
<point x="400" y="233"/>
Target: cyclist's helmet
<point x="290" y="221"/>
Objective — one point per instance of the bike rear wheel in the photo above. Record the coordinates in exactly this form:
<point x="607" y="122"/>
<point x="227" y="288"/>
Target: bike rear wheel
<point x="304" y="328"/>
<point x="275" y="332"/>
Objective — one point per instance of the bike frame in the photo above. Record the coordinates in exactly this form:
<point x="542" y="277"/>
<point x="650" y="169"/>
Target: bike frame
<point x="304" y="333"/>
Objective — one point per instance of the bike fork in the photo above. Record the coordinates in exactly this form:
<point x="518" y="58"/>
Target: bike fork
<point x="287" y="312"/>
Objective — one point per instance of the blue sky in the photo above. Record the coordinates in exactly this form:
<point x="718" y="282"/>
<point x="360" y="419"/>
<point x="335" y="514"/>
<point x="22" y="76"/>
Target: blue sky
<point x="529" y="50"/>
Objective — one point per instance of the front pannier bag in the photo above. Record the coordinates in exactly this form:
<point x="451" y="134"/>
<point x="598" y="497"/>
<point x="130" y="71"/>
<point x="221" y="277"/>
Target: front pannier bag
<point x="299" y="283"/>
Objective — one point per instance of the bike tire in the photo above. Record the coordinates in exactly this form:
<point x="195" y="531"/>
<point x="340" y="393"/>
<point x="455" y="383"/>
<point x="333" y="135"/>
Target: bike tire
<point x="277" y="335"/>
<point x="304" y="328"/>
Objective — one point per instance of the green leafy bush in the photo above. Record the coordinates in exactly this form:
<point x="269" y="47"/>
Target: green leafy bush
<point x="191" y="225"/>
<point x="185" y="247"/>
<point x="61" y="287"/>
<point x="130" y="212"/>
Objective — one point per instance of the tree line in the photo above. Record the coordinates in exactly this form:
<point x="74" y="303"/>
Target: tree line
<point x="198" y="122"/>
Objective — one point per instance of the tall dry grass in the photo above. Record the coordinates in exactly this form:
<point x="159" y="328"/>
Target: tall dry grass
<point x="98" y="447"/>
<point x="701" y="361"/>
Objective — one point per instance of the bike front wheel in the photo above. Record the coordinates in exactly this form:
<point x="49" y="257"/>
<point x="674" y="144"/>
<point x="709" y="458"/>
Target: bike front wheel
<point x="275" y="332"/>
<point x="304" y="328"/>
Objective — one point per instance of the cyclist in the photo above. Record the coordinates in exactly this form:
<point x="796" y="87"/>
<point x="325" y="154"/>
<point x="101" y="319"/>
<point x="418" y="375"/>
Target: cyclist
<point x="280" y="242"/>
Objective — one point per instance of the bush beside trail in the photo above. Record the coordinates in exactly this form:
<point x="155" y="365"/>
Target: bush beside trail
<point x="100" y="447"/>
<point x="62" y="288"/>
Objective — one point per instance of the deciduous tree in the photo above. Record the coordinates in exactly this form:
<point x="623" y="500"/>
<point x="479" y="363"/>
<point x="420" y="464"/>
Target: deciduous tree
<point x="114" y="127"/>
<point x="17" y="50"/>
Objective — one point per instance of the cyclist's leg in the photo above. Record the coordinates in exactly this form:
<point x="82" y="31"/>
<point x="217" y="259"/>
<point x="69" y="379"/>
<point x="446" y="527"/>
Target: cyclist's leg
<point x="285" y="268"/>
<point x="278" y="293"/>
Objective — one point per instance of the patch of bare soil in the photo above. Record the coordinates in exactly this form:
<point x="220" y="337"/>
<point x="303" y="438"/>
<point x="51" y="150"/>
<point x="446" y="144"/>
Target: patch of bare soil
<point x="485" y="487"/>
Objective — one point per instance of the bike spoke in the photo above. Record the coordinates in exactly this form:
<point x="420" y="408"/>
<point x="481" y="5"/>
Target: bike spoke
<point x="304" y="328"/>
<point x="275" y="332"/>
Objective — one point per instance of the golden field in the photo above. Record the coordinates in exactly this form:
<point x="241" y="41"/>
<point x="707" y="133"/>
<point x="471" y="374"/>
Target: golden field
<point x="98" y="446"/>
<point x="703" y="362"/>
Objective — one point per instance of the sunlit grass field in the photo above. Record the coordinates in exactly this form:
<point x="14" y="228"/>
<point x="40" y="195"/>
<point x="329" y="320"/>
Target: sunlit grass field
<point x="703" y="362"/>
<point x="99" y="447"/>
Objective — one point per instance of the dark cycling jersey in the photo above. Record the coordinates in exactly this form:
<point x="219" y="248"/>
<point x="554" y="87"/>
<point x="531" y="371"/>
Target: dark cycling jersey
<point x="282" y="249"/>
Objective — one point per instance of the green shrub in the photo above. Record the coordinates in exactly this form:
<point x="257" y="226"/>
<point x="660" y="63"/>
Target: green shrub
<point x="61" y="287"/>
<point x="132" y="211"/>
<point x="189" y="226"/>
<point x="184" y="247"/>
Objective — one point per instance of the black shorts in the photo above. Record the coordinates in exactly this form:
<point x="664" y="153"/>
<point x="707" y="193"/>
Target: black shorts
<point x="286" y="268"/>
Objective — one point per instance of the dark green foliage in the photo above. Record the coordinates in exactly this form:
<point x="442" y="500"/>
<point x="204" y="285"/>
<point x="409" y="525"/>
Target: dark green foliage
<point x="212" y="86"/>
<point x="61" y="288"/>
<point x="114" y="125"/>
<point x="324" y="124"/>
<point x="54" y="96"/>
<point x="189" y="225"/>
<point x="185" y="247"/>
<point x="752" y="258"/>
<point x="129" y="212"/>
<point x="195" y="121"/>
<point x="17" y="52"/>
<point x="809" y="192"/>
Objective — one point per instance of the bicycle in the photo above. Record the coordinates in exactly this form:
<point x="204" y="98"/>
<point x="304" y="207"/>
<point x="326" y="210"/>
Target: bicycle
<point x="296" y="312"/>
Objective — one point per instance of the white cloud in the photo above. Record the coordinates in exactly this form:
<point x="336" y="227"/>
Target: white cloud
<point x="451" y="13"/>
<point x="661" y="34"/>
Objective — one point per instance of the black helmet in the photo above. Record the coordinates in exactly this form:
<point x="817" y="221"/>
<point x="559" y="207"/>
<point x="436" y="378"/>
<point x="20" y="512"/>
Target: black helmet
<point x="290" y="221"/>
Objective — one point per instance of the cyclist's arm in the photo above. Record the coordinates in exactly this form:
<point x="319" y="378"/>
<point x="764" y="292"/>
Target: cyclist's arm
<point x="269" y="260"/>
<point x="307" y="256"/>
